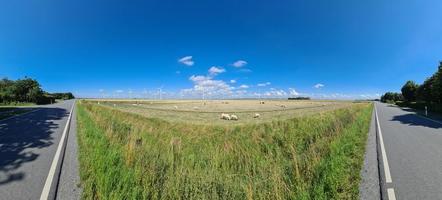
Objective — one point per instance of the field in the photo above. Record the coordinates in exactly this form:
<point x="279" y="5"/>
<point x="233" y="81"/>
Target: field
<point x="154" y="150"/>
<point x="208" y="112"/>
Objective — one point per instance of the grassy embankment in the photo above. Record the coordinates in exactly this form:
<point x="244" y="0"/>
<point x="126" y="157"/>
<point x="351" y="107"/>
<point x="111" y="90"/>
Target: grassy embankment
<point x="127" y="156"/>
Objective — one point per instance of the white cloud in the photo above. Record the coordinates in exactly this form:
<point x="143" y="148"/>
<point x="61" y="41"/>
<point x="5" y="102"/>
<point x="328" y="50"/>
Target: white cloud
<point x="186" y="60"/>
<point x="275" y="93"/>
<point x="214" y="70"/>
<point x="264" y="84"/>
<point x="243" y="86"/>
<point x="232" y="81"/>
<point x="200" y="78"/>
<point x="319" y="85"/>
<point x="245" y="70"/>
<point x="293" y="92"/>
<point x="119" y="91"/>
<point x="208" y="86"/>
<point x="239" y="63"/>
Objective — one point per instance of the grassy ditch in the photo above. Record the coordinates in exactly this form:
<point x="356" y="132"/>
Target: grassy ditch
<point x="128" y="156"/>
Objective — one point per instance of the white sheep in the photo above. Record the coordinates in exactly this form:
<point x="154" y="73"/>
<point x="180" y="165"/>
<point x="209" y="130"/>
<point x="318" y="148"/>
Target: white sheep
<point x="196" y="108"/>
<point x="225" y="116"/>
<point x="233" y="117"/>
<point x="257" y="115"/>
<point x="115" y="105"/>
<point x="176" y="107"/>
<point x="283" y="106"/>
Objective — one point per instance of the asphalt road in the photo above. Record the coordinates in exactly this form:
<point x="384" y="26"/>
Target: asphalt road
<point x="27" y="147"/>
<point x="413" y="148"/>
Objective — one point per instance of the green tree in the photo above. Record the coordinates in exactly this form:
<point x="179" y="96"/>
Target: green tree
<point x="392" y="97"/>
<point x="409" y="91"/>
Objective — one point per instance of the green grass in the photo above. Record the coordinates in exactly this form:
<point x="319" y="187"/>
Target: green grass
<point x="128" y="156"/>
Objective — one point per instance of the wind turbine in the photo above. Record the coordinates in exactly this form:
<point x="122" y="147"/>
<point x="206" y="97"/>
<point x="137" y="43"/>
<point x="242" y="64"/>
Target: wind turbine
<point x="160" y="92"/>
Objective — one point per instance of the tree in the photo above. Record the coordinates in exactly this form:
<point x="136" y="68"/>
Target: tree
<point x="409" y="91"/>
<point x="391" y="97"/>
<point x="423" y="93"/>
<point x="26" y="90"/>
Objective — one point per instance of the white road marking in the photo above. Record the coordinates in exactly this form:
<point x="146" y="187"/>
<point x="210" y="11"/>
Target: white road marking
<point x="390" y="193"/>
<point x="384" y="154"/>
<point x="49" y="179"/>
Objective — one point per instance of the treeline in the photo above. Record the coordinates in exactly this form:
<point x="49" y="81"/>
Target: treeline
<point x="427" y="94"/>
<point x="27" y="90"/>
<point x="299" y="98"/>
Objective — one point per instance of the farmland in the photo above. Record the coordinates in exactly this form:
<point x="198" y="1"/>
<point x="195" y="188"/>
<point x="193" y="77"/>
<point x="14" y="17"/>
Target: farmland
<point x="183" y="150"/>
<point x="204" y="112"/>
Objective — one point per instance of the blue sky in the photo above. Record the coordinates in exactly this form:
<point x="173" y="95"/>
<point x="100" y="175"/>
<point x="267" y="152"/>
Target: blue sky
<point x="347" y="49"/>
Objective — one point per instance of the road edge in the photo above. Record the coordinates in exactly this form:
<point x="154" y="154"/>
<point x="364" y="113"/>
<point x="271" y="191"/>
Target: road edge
<point x="51" y="183"/>
<point x="369" y="187"/>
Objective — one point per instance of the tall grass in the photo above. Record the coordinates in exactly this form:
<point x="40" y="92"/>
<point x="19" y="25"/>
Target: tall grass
<point x="127" y="156"/>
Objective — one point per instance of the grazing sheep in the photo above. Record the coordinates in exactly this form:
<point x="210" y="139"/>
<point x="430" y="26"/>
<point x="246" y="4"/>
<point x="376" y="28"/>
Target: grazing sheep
<point x="261" y="102"/>
<point x="233" y="117"/>
<point x="134" y="104"/>
<point x="115" y="105"/>
<point x="176" y="107"/>
<point x="283" y="106"/>
<point x="196" y="108"/>
<point x="225" y="116"/>
<point x="257" y="115"/>
<point x="98" y="103"/>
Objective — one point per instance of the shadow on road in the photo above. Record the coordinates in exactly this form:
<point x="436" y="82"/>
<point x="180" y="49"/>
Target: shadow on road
<point x="20" y="134"/>
<point x="414" y="120"/>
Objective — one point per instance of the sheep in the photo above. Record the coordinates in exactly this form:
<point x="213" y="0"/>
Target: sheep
<point x="176" y="107"/>
<point x="196" y="108"/>
<point x="261" y="102"/>
<point x="225" y="116"/>
<point x="257" y="115"/>
<point x="233" y="117"/>
<point x="283" y="106"/>
<point x="115" y="105"/>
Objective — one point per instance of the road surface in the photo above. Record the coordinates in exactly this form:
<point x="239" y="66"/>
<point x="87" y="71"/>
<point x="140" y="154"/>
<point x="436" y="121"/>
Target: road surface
<point x="27" y="147"/>
<point x="413" y="151"/>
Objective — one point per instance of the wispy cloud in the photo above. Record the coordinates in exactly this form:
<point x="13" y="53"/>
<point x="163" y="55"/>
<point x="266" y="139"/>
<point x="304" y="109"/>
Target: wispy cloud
<point x="319" y="85"/>
<point x="239" y="63"/>
<point x="186" y="60"/>
<point x="214" y="70"/>
<point x="293" y="92"/>
<point x="264" y="84"/>
<point x="245" y="70"/>
<point x="232" y="81"/>
<point x="275" y="93"/>
<point x="243" y="86"/>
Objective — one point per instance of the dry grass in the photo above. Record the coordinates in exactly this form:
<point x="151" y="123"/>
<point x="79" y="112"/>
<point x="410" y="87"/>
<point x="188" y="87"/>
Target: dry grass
<point x="208" y="112"/>
<point x="128" y="156"/>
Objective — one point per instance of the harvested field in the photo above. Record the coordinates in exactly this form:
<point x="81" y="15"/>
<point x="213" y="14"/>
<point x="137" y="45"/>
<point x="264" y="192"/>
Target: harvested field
<point x="204" y="112"/>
